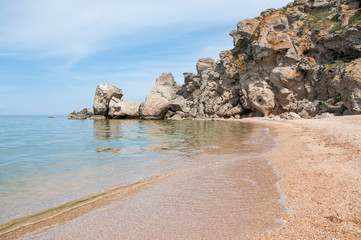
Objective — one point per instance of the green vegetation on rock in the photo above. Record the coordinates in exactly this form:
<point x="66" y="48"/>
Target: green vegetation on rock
<point x="335" y="28"/>
<point x="355" y="18"/>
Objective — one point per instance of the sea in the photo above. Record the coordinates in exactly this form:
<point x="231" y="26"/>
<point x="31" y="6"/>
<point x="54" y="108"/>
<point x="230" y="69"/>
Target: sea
<point x="46" y="162"/>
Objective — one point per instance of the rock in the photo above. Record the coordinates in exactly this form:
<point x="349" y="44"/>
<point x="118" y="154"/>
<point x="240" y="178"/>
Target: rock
<point x="262" y="99"/>
<point x="268" y="12"/>
<point x="159" y="98"/>
<point x="191" y="83"/>
<point x="123" y="109"/>
<point x="276" y="118"/>
<point x="294" y="115"/>
<point x="326" y="115"/>
<point x="350" y="87"/>
<point x="304" y="114"/>
<point x="83" y="114"/>
<point x="296" y="13"/>
<point x="354" y="4"/>
<point x="257" y="96"/>
<point x="301" y="60"/>
<point x="320" y="3"/>
<point x="246" y="28"/>
<point x="204" y="64"/>
<point x="176" y="117"/>
<point x="179" y="104"/>
<point x="98" y="117"/>
<point x="285" y="76"/>
<point x="103" y="94"/>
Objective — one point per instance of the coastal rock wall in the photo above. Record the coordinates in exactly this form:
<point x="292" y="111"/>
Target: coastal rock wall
<point x="302" y="60"/>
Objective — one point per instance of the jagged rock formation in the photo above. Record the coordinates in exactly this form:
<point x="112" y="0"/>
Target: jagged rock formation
<point x="158" y="100"/>
<point x="103" y="95"/>
<point x="303" y="58"/>
<point x="298" y="61"/>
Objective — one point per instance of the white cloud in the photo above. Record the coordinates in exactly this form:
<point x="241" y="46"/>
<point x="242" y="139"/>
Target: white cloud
<point x="80" y="27"/>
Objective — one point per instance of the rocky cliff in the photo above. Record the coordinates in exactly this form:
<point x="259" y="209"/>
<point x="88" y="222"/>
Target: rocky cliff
<point x="300" y="60"/>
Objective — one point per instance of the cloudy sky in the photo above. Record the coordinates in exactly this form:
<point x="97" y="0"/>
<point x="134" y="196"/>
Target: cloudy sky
<point x="53" y="53"/>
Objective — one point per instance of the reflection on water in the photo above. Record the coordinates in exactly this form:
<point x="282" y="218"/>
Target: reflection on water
<point x="45" y="163"/>
<point x="183" y="137"/>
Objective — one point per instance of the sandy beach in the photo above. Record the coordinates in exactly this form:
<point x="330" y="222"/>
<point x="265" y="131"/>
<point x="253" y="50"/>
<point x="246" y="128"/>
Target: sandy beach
<point x="320" y="164"/>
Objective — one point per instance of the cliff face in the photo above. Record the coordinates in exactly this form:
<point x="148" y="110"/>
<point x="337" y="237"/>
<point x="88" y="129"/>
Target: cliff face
<point x="300" y="60"/>
<point x="303" y="58"/>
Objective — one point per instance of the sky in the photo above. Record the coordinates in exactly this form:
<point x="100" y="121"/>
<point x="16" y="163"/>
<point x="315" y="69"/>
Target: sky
<point x="54" y="53"/>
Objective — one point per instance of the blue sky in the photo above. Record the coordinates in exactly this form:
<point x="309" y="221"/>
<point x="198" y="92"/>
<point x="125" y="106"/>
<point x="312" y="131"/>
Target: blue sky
<point x="54" y="53"/>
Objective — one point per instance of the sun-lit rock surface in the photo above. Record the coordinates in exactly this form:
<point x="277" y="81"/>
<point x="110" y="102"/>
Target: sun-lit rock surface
<point x="302" y="59"/>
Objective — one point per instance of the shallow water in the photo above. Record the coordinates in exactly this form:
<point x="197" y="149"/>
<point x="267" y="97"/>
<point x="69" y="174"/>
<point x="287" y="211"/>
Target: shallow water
<point x="46" y="162"/>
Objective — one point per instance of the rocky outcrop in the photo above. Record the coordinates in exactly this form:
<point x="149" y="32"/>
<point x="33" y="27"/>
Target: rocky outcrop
<point x="83" y="114"/>
<point x="103" y="94"/>
<point x="109" y="105"/>
<point x="302" y="60"/>
<point x="159" y="98"/>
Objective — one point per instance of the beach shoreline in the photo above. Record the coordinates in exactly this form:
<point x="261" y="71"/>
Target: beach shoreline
<point x="71" y="210"/>
<point x="320" y="164"/>
<point x="239" y="181"/>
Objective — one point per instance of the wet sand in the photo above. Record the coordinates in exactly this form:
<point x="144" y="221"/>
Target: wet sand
<point x="320" y="162"/>
<point x="212" y="202"/>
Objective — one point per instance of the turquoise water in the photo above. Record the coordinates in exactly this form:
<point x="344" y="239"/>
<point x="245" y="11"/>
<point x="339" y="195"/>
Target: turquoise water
<point x="45" y="162"/>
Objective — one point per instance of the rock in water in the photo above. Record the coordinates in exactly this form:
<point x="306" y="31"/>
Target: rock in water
<point x="103" y="94"/>
<point x="83" y="114"/>
<point x="159" y="98"/>
<point x="123" y="109"/>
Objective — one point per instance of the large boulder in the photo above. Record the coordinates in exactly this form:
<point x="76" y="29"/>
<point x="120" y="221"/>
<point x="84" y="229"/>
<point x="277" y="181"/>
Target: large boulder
<point x="123" y="109"/>
<point x="159" y="98"/>
<point x="103" y="94"/>
<point x="258" y="96"/>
